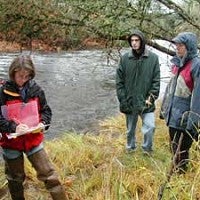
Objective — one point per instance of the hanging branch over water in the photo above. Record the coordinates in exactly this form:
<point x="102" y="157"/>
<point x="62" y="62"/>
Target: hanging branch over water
<point x="70" y="23"/>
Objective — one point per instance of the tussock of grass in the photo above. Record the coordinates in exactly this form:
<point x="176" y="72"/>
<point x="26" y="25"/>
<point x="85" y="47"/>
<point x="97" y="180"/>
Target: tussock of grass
<point x="95" y="167"/>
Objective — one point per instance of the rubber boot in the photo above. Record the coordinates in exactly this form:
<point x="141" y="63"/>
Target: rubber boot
<point x="47" y="174"/>
<point x="14" y="170"/>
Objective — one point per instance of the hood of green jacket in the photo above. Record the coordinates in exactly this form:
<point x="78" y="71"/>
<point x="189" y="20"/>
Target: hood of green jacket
<point x="142" y="38"/>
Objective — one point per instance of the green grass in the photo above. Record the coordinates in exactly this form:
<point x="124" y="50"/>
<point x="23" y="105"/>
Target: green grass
<point x="96" y="167"/>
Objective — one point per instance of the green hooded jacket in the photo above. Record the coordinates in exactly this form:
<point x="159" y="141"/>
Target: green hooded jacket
<point x="138" y="79"/>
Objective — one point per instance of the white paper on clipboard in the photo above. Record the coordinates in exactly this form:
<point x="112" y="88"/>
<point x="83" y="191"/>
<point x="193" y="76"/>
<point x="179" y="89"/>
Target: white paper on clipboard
<point x="33" y="129"/>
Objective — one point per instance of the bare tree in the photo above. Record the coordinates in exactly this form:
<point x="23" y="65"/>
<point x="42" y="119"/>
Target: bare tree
<point x="70" y="21"/>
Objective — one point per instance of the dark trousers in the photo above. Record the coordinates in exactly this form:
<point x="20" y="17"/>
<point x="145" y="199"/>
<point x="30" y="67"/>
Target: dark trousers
<point x="182" y="157"/>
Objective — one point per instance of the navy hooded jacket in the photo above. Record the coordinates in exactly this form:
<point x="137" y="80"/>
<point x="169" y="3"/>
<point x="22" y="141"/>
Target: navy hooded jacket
<point x="181" y="101"/>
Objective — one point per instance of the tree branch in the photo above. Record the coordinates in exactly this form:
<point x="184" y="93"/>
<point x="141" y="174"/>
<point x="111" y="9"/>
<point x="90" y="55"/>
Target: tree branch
<point x="171" y="5"/>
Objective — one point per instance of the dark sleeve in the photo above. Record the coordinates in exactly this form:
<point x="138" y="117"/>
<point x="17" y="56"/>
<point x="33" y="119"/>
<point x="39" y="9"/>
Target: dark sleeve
<point x="45" y="110"/>
<point x="6" y="126"/>
<point x="120" y="82"/>
<point x="194" y="114"/>
<point x="155" y="86"/>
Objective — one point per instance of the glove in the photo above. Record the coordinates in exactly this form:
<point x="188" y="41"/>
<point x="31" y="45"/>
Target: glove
<point x="40" y="127"/>
<point x="148" y="102"/>
<point x="22" y="128"/>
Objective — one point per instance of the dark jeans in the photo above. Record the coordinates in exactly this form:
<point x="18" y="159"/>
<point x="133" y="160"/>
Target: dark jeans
<point x="182" y="156"/>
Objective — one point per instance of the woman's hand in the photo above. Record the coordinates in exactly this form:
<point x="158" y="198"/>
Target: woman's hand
<point x="38" y="128"/>
<point x="22" y="128"/>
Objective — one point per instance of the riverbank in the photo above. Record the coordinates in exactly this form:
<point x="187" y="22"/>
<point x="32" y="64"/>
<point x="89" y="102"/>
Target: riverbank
<point x="37" y="45"/>
<point x="9" y="46"/>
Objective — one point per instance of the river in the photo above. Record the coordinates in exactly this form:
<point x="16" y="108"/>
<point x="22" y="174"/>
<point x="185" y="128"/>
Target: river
<point x="79" y="86"/>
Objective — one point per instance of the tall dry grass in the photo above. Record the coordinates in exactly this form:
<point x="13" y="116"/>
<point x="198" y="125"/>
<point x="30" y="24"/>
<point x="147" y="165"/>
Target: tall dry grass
<point x="96" y="167"/>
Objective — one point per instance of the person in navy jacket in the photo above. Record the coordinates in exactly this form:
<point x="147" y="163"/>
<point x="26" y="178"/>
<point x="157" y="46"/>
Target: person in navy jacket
<point x="180" y="107"/>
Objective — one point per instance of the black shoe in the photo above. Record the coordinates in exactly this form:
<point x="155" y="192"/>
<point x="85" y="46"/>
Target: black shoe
<point x="147" y="153"/>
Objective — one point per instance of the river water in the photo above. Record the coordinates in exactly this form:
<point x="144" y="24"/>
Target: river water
<point x="79" y="86"/>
